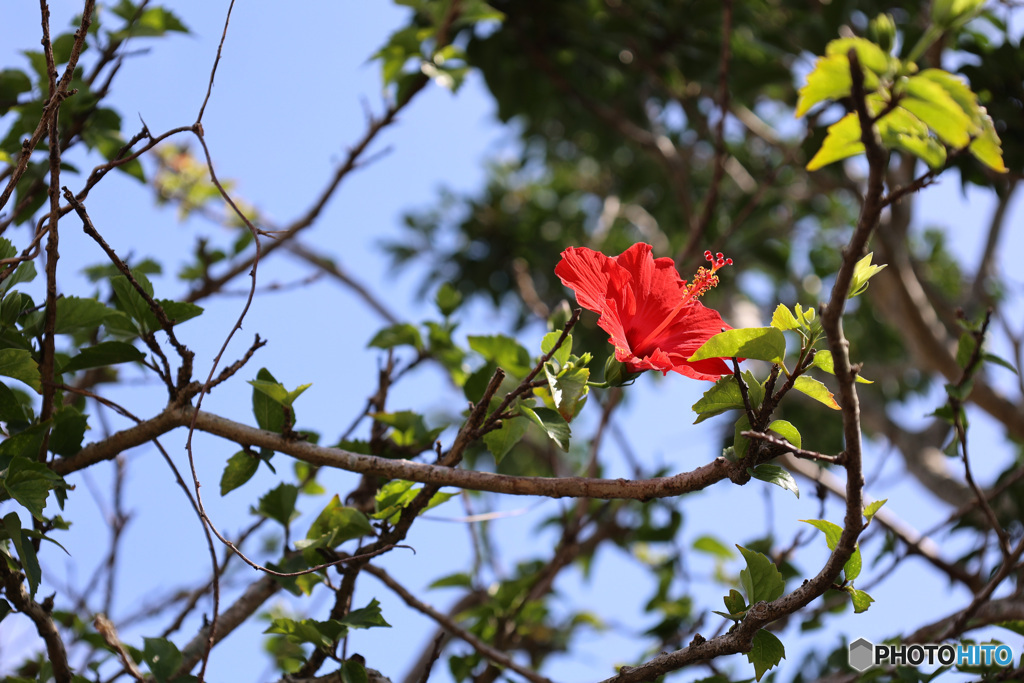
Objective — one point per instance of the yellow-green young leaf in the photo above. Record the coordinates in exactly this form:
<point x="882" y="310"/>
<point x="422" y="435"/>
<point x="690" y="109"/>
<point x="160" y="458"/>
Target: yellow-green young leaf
<point x="872" y="508"/>
<point x="823" y="361"/>
<point x="761" y="343"/>
<point x="862" y="272"/>
<point x="816" y="390"/>
<point x="766" y="651"/>
<point x="831" y="530"/>
<point x="933" y="104"/>
<point x="783" y="319"/>
<point x="787" y="431"/>
<point x="830" y="80"/>
<point x="987" y="147"/>
<point x="955" y="88"/>
<point x="901" y="130"/>
<point x="841" y="142"/>
<point x="712" y="546"/>
<point x="870" y="55"/>
<point x="861" y="600"/>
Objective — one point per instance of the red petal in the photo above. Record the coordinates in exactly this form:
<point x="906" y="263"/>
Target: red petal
<point x="590" y="274"/>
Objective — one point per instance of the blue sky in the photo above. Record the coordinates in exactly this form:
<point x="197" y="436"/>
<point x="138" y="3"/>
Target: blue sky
<point x="289" y="98"/>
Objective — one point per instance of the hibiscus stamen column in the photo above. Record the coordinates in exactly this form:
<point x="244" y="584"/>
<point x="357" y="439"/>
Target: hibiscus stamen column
<point x="703" y="281"/>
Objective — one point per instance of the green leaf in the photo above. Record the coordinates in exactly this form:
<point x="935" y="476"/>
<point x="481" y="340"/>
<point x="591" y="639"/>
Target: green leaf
<point x="766" y="651"/>
<point x="269" y="413"/>
<point x="869" y="55"/>
<point x="500" y="441"/>
<point x="568" y="389"/>
<point x="103" y="354"/>
<point x="734" y="602"/>
<point x="761" y="580"/>
<point x="992" y="358"/>
<point x="18" y="364"/>
<point x="823" y="361"/>
<point x="276" y="391"/>
<point x="760" y="343"/>
<point x="279" y="503"/>
<point x="873" y="507"/>
<point x="863" y="271"/>
<point x="322" y="634"/>
<point x="787" y="431"/>
<point x="783" y="319"/>
<point x="722" y="396"/>
<point x="179" y="311"/>
<point x="29" y="482"/>
<point x="861" y="600"/>
<point x="5" y="608"/>
<point x="504" y="351"/>
<point x="930" y="102"/>
<point x="832" y="531"/>
<point x="841" y="141"/>
<point x="457" y="580"/>
<point x="448" y="299"/>
<point x="352" y="671"/>
<point x="853" y="565"/>
<point x="562" y="355"/>
<point x="337" y="523"/>
<point x="240" y="468"/>
<point x="897" y="131"/>
<point x="69" y="427"/>
<point x="131" y="302"/>
<point x="740" y="443"/>
<point x="712" y="546"/>
<point x="400" y="334"/>
<point x="10" y="407"/>
<point x="816" y="390"/>
<point x="365" y="617"/>
<point x="773" y="474"/>
<point x="75" y="314"/>
<point x="829" y="80"/>
<point x="987" y="148"/>
<point x="26" y="551"/>
<point x="162" y="656"/>
<point x="553" y="424"/>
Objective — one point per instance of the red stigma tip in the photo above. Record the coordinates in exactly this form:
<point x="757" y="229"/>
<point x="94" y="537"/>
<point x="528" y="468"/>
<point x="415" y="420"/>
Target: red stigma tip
<point x="707" y="255"/>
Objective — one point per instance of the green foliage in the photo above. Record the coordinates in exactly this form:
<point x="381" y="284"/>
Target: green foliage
<point x="816" y="390"/>
<point x="773" y="474"/>
<point x="760" y="580"/>
<point x="324" y="634"/>
<point x="760" y="343"/>
<point x="766" y="651"/>
<point x="918" y="112"/>
<point x="279" y="503"/>
<point x="396" y="496"/>
<point x="239" y="469"/>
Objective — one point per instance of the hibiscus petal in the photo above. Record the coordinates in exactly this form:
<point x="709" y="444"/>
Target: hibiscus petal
<point x="590" y="274"/>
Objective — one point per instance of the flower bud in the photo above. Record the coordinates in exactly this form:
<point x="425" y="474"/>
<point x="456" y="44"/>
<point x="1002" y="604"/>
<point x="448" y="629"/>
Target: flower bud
<point x="883" y="31"/>
<point x="617" y="374"/>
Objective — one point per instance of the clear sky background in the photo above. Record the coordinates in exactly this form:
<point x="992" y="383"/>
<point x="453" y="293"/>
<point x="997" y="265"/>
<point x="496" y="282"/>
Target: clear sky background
<point x="289" y="98"/>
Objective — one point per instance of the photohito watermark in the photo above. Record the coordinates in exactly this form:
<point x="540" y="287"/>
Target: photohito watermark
<point x="864" y="654"/>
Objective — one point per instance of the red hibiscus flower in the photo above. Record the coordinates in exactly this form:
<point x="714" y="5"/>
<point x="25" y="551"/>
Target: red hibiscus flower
<point x="653" y="316"/>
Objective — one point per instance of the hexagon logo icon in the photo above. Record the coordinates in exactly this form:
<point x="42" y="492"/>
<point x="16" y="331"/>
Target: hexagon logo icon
<point x="862" y="654"/>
